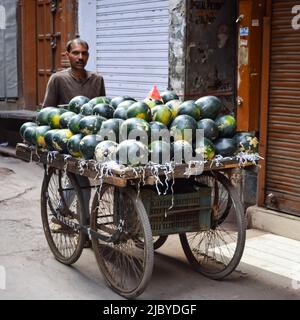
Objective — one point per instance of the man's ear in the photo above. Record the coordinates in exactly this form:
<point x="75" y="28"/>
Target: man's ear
<point x="67" y="54"/>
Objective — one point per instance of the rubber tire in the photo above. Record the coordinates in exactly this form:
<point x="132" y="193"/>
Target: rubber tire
<point x="44" y="215"/>
<point x="240" y="217"/>
<point x="148" y="240"/>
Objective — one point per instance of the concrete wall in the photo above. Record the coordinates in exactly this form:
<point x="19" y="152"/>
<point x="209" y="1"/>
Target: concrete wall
<point x="203" y="49"/>
<point x="177" y="47"/>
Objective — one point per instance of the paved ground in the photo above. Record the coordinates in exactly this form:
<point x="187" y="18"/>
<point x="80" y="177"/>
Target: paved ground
<point x="270" y="268"/>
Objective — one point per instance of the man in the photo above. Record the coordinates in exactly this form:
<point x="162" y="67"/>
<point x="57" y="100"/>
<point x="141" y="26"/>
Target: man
<point x="74" y="81"/>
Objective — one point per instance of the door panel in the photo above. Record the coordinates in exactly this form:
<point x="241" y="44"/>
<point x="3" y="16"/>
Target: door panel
<point x="250" y="23"/>
<point x="44" y="54"/>
<point x="55" y="27"/>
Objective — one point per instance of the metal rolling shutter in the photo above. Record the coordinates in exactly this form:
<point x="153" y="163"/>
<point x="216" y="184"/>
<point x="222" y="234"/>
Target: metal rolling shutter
<point x="283" y="154"/>
<point x="132" y="45"/>
<point x="8" y="49"/>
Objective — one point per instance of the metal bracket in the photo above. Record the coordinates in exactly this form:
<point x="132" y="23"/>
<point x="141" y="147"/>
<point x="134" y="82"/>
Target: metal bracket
<point x="239" y="101"/>
<point x="240" y="18"/>
<point x="53" y="6"/>
<point x="53" y="40"/>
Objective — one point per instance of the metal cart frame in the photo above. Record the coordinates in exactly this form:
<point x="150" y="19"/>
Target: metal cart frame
<point x="128" y="220"/>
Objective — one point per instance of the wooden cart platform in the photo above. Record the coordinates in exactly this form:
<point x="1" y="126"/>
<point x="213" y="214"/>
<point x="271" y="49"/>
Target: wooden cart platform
<point x="125" y="228"/>
<point x="120" y="175"/>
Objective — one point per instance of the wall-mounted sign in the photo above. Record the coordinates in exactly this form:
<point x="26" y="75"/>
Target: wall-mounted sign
<point x="296" y="18"/>
<point x="206" y="11"/>
<point x="243" y="43"/>
<point x="244" y="31"/>
<point x="2" y="18"/>
<point x="255" y="23"/>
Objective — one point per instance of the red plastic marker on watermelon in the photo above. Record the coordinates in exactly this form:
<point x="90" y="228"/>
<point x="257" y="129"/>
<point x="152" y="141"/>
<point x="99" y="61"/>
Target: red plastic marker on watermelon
<point x="154" y="94"/>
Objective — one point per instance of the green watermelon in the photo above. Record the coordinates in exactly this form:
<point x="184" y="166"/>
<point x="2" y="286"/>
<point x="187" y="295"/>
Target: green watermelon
<point x="162" y="114"/>
<point x="225" y="147"/>
<point x="160" y="152"/>
<point x="77" y="102"/>
<point x="210" y="128"/>
<point x="49" y="139"/>
<point x="25" y="126"/>
<point x="132" y="153"/>
<point x="104" y="110"/>
<point x="42" y="118"/>
<point x="136" y="124"/>
<point x="168" y="96"/>
<point x="117" y="100"/>
<point x="60" y="140"/>
<point x="121" y="111"/>
<point x="226" y="125"/>
<point x="86" y="109"/>
<point x="206" y="149"/>
<point x="174" y="106"/>
<point x="246" y="142"/>
<point x="182" y="123"/>
<point x="74" y="123"/>
<point x="155" y="125"/>
<point x="106" y="151"/>
<point x="189" y="108"/>
<point x="180" y="150"/>
<point x="40" y="136"/>
<point x="73" y="145"/>
<point x="54" y="117"/>
<point x="210" y="107"/>
<point x="87" y="146"/>
<point x="98" y="100"/>
<point x="30" y="135"/>
<point x="65" y="119"/>
<point x="111" y="128"/>
<point x="153" y="102"/>
<point x="91" y="124"/>
<point x="139" y="110"/>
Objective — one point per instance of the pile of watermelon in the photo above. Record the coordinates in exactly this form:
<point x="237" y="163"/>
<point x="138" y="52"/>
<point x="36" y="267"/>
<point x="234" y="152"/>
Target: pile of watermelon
<point x="101" y="129"/>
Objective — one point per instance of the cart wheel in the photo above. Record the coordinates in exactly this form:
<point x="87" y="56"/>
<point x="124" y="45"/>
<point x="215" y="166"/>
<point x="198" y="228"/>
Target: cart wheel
<point x="220" y="199"/>
<point x="215" y="253"/>
<point x="61" y="194"/>
<point x="158" y="241"/>
<point x="120" y="220"/>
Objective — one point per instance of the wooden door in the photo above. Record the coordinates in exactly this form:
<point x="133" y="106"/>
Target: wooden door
<point x="250" y="23"/>
<point x="45" y="54"/>
<point x="47" y="26"/>
<point x="55" y="26"/>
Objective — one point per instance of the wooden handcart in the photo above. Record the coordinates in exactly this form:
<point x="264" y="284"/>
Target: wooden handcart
<point x="128" y="218"/>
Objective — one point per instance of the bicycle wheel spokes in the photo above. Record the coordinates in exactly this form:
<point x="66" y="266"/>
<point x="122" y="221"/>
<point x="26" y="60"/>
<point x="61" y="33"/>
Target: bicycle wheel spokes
<point x="61" y="204"/>
<point x="216" y="252"/>
<point x="221" y="202"/>
<point x="118" y="215"/>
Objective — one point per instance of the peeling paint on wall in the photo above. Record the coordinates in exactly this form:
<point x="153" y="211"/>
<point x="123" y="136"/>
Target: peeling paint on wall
<point x="211" y="49"/>
<point x="177" y="40"/>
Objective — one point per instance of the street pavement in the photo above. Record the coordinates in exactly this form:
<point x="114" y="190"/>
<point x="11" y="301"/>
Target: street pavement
<point x="270" y="268"/>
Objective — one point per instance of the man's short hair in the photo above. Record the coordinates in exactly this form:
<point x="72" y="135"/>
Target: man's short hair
<point x="77" y="41"/>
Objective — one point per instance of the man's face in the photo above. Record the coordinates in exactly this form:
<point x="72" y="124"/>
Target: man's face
<point x="78" y="56"/>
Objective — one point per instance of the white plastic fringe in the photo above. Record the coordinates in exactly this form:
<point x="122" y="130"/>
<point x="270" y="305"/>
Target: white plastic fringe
<point x="51" y="156"/>
<point x="243" y="158"/>
<point x="66" y="157"/>
<point x="194" y="168"/>
<point x="168" y="171"/>
<point x="81" y="166"/>
<point x="104" y="170"/>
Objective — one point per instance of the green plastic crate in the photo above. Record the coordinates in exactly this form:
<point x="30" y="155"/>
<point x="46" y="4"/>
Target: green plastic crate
<point x="191" y="212"/>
